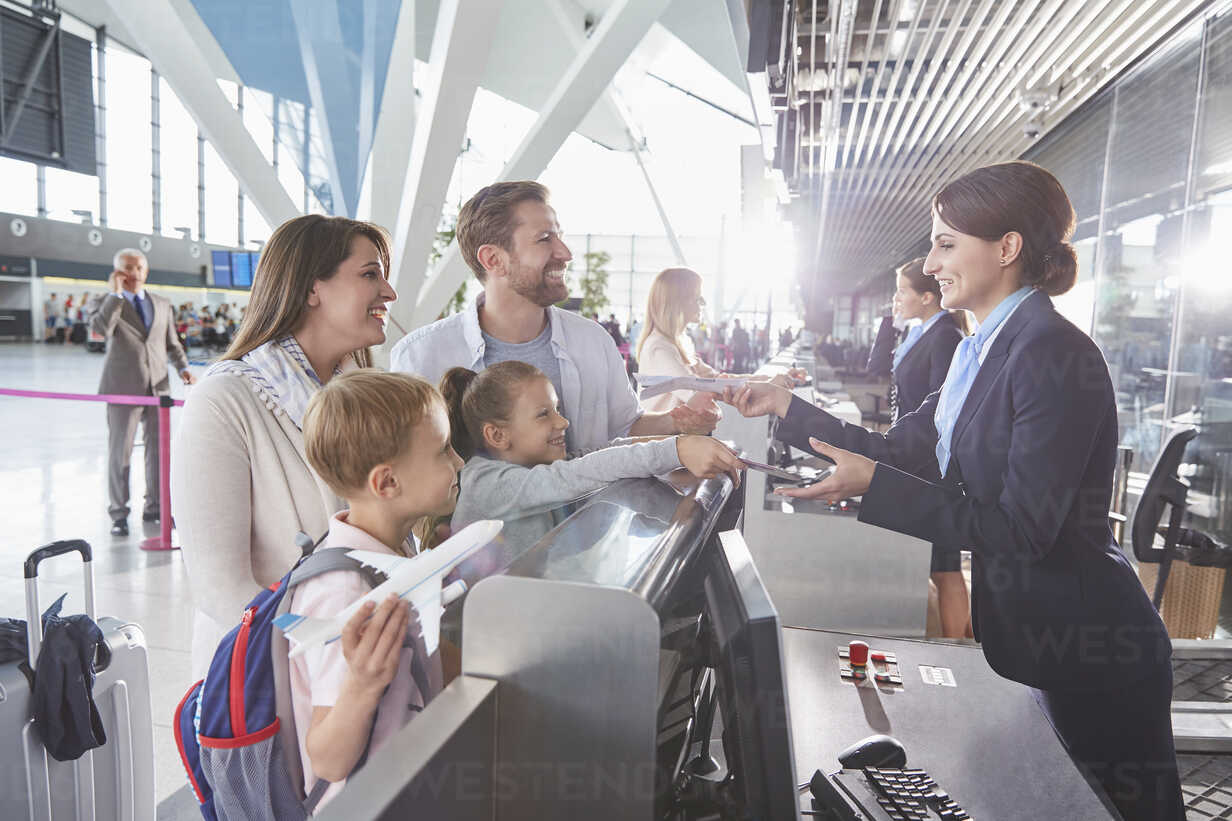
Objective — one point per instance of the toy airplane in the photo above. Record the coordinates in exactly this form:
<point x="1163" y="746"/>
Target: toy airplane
<point x="417" y="579"/>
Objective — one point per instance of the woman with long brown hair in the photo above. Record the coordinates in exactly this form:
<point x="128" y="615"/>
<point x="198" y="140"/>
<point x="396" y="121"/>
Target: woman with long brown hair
<point x="1024" y="436"/>
<point x="240" y="480"/>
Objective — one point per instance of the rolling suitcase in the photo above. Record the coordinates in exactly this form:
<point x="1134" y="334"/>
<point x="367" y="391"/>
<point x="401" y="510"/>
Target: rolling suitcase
<point x="114" y="781"/>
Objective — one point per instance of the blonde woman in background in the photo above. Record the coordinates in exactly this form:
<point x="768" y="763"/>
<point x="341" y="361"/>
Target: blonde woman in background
<point x="665" y="349"/>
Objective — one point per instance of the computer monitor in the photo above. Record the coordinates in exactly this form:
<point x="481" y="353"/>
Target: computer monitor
<point x="751" y="686"/>
<point x="222" y="268"/>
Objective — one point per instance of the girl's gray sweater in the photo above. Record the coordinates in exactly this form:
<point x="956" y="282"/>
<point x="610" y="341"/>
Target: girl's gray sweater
<point x="524" y="498"/>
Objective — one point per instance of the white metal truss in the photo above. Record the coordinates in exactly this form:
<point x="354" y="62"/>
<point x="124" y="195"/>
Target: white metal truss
<point x="461" y="42"/>
<point x="619" y="31"/>
<point x="395" y="125"/>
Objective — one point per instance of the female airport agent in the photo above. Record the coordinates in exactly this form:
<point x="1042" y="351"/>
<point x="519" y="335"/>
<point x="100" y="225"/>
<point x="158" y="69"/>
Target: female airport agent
<point x="675" y="302"/>
<point x="1024" y="433"/>
<point x="918" y="366"/>
<point x="241" y="483"/>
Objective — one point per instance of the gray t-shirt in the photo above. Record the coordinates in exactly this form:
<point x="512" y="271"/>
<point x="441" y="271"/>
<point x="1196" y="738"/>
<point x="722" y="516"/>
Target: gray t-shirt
<point x="537" y="352"/>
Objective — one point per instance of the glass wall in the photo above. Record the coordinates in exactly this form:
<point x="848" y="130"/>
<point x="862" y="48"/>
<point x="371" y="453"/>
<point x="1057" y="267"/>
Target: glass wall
<point x="129" y="142"/>
<point x="1148" y="166"/>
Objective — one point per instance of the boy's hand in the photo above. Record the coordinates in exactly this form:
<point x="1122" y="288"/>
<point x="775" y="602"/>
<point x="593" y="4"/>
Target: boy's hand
<point x="372" y="642"/>
<point x="706" y="457"/>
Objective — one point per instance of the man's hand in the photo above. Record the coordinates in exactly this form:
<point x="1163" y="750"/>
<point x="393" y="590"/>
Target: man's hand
<point x="759" y="399"/>
<point x="852" y="475"/>
<point x="372" y="649"/>
<point x="706" y="457"/>
<point x="117" y="282"/>
<point x="705" y="402"/>
<point x="688" y="420"/>
<point x="187" y="376"/>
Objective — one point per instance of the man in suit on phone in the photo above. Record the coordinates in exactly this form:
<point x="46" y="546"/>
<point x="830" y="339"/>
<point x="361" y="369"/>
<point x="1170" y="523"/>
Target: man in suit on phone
<point x="140" y="331"/>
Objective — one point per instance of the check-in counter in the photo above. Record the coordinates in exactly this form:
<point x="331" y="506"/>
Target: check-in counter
<point x="574" y="693"/>
<point x="822" y="567"/>
<point x="584" y="686"/>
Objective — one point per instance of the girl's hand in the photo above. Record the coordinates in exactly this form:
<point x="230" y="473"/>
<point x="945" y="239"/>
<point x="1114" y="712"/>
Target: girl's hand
<point x="759" y="399"/>
<point x="852" y="475"/>
<point x="372" y="642"/>
<point x="706" y="458"/>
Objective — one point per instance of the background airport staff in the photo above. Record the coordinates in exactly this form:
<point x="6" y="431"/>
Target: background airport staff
<point x="1024" y="433"/>
<point x="917" y="366"/>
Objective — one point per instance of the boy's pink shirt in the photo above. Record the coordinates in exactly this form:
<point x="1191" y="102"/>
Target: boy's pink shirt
<point x="317" y="676"/>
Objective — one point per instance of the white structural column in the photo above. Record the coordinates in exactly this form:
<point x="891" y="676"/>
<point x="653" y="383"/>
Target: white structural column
<point x="643" y="162"/>
<point x="618" y="33"/>
<point x="166" y="42"/>
<point x="395" y="124"/>
<point x="461" y="43"/>
<point x="331" y="91"/>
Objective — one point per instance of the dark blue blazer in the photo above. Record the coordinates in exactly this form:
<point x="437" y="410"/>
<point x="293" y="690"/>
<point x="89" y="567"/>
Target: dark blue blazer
<point x="923" y="369"/>
<point x="1055" y="603"/>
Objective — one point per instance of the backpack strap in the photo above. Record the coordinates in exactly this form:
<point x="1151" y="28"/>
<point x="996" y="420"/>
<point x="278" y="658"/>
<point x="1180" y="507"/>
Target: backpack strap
<point x="318" y="792"/>
<point x="329" y="559"/>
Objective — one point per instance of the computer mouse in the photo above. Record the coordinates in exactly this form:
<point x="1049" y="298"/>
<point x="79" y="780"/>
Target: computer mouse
<point x="874" y="751"/>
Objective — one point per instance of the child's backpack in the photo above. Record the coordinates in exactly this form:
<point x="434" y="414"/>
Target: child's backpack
<point x="235" y="728"/>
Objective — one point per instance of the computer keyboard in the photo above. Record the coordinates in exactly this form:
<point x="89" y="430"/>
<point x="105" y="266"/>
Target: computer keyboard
<point x="912" y="795"/>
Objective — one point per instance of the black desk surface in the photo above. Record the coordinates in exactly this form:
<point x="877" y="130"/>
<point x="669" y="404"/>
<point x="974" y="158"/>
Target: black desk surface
<point x="985" y="741"/>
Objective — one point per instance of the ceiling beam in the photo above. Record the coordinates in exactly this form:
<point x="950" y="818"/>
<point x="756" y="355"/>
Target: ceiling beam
<point x="463" y="38"/>
<point x="608" y="47"/>
<point x="395" y="124"/>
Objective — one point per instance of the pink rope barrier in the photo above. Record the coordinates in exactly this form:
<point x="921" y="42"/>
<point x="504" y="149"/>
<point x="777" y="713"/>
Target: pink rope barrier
<point x="111" y="398"/>
<point x="164" y="403"/>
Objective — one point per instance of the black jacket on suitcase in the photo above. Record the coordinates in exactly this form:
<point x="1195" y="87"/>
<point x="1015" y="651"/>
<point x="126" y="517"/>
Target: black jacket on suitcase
<point x="64" y="710"/>
<point x="63" y="695"/>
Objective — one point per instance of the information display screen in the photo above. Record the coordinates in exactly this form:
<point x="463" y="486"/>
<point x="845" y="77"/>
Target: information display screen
<point x="222" y="268"/>
<point x="242" y="263"/>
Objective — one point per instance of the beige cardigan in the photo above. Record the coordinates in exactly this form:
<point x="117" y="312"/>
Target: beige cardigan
<point x="241" y="488"/>
<point x="660" y="357"/>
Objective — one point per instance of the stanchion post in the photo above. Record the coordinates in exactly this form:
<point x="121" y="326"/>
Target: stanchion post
<point x="163" y="542"/>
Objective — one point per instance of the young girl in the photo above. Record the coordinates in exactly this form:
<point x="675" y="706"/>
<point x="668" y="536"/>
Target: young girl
<point x="506" y="423"/>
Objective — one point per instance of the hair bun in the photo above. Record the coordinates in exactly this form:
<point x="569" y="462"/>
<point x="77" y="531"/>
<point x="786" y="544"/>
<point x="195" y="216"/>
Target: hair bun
<point x="1059" y="269"/>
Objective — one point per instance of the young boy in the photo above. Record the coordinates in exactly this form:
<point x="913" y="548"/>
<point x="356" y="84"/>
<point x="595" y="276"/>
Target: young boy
<point x="381" y="442"/>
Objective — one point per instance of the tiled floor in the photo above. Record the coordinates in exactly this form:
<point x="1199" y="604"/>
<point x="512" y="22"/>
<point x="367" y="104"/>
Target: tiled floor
<point x="53" y="485"/>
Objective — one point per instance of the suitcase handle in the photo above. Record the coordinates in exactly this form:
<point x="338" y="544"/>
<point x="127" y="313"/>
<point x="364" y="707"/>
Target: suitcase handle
<point x="34" y="618"/>
<point x="54" y="549"/>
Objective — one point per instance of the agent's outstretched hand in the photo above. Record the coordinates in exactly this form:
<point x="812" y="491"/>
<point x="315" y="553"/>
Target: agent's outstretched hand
<point x="759" y="399"/>
<point x="852" y="475"/>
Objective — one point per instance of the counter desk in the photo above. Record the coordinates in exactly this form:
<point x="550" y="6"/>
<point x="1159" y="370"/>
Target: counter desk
<point x="632" y="665"/>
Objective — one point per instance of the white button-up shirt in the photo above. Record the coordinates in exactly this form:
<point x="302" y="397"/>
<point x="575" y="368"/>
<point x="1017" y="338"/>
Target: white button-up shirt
<point x="600" y="408"/>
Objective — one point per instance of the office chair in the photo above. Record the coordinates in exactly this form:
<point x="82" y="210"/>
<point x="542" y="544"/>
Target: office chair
<point x="1164" y="487"/>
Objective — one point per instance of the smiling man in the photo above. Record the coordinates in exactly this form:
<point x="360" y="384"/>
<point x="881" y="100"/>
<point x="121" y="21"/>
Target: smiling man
<point x="509" y="236"/>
